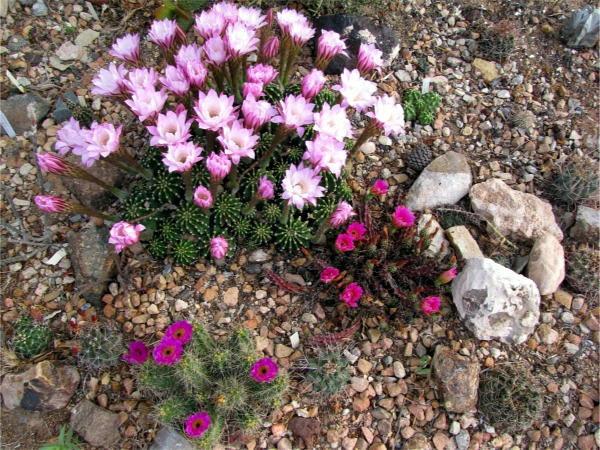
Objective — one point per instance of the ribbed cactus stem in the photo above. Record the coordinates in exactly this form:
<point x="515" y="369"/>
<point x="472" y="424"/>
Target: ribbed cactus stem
<point x="281" y="132"/>
<point x="320" y="234"/>
<point x="214" y="188"/>
<point x="76" y="208"/>
<point x="189" y="190"/>
<point x="285" y="213"/>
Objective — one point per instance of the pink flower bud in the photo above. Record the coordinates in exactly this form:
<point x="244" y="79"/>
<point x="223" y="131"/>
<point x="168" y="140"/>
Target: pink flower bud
<point x="265" y="189"/>
<point x="51" y="204"/>
<point x="344" y="243"/>
<point x="202" y="197"/>
<point x="351" y="295"/>
<point x="253" y="89"/>
<point x="218" y="165"/>
<point x="312" y="84"/>
<point x="51" y="163"/>
<point x="270" y="17"/>
<point x="329" y="274"/>
<point x="430" y="304"/>
<point x="343" y="212"/>
<point x="218" y="247"/>
<point x="380" y="187"/>
<point x="271" y="47"/>
<point x="447" y="276"/>
<point x="124" y="234"/>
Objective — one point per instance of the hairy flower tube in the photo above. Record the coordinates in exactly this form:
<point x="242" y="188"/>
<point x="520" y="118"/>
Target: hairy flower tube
<point x="167" y="352"/>
<point x="197" y="424"/>
<point x="430" y="305"/>
<point x="124" y="234"/>
<point x="182" y="331"/>
<point x="351" y="295"/>
<point x="329" y="274"/>
<point x="264" y="370"/>
<point x="403" y="217"/>
<point x="344" y="243"/>
<point x="138" y="353"/>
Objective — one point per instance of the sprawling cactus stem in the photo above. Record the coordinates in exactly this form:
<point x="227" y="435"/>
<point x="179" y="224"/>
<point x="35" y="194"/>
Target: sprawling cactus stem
<point x="189" y="189"/>
<point x="320" y="234"/>
<point x="76" y="208"/>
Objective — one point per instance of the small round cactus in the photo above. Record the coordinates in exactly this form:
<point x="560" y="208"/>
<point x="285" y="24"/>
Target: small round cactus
<point x="327" y="372"/>
<point x="101" y="348"/>
<point x="30" y="338"/>
<point x="292" y="235"/>
<point x="184" y="252"/>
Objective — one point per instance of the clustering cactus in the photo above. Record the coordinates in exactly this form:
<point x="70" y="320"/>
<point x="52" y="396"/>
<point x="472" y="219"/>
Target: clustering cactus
<point x="327" y="372"/>
<point x="496" y="41"/>
<point x="101" y="348"/>
<point x="421" y="106"/>
<point x="583" y="269"/>
<point x="30" y="338"/>
<point x="509" y="398"/>
<point x="216" y="377"/>
<point x="576" y="182"/>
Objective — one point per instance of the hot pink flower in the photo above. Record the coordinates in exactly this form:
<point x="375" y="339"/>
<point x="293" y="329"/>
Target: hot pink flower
<point x="182" y="156"/>
<point x="138" y="353"/>
<point x="102" y="139"/>
<point x="51" y="163"/>
<point x="312" y="84"/>
<point x="271" y="47"/>
<point x="176" y="81"/>
<point x="351" y="295"/>
<point x="216" y="51"/>
<point x="240" y="39"/>
<point x="50" y="203"/>
<point x="214" y="111"/>
<point x="330" y="44"/>
<point x="264" y="370"/>
<point x="219" y="247"/>
<point x="332" y="121"/>
<point x="257" y="113"/>
<point x="369" y="58"/>
<point x="301" y="185"/>
<point x="111" y="82"/>
<point x="140" y="79"/>
<point x="329" y="274"/>
<point x="380" y="187"/>
<point x="238" y="142"/>
<point x="357" y="91"/>
<point x="167" y="352"/>
<point x="447" y="276"/>
<point x="251" y="17"/>
<point x="170" y="129"/>
<point x="182" y="331"/>
<point x="265" y="188"/>
<point x="124" y="234"/>
<point x="344" y="243"/>
<point x="388" y="115"/>
<point x="327" y="154"/>
<point x="70" y="136"/>
<point x="218" y="165"/>
<point x="261" y="73"/>
<point x="210" y="24"/>
<point x="127" y="48"/>
<point x="166" y="33"/>
<point x="147" y="102"/>
<point x="197" y="424"/>
<point x="343" y="212"/>
<point x="253" y="89"/>
<point x="203" y="197"/>
<point x="294" y="113"/>
<point x="357" y="230"/>
<point x="403" y="217"/>
<point x="430" y="304"/>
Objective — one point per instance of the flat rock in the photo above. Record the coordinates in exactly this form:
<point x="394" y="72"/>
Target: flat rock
<point x="547" y="335"/>
<point x="417" y="442"/>
<point x="69" y="51"/>
<point x="587" y="225"/>
<point x="39" y="9"/>
<point x="487" y="68"/>
<point x="93" y="261"/>
<point x="86" y="37"/>
<point x="168" y="438"/>
<point x="457" y="378"/>
<point x="443" y="182"/>
<point x="231" y="296"/>
<point x="516" y="215"/>
<point x="97" y="426"/>
<point x="44" y="387"/>
<point x="496" y="303"/>
<point x="428" y="224"/>
<point x="547" y="264"/>
<point x="24" y="111"/>
<point x="464" y="244"/>
<point x="306" y="428"/>
<point x="356" y="30"/>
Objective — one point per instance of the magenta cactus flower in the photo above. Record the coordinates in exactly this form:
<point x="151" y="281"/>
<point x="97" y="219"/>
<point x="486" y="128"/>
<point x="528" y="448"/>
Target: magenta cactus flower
<point x="170" y="129"/>
<point x="447" y="276"/>
<point x="197" y="424"/>
<point x="301" y="185"/>
<point x="181" y="156"/>
<point x="253" y="89"/>
<point x="430" y="305"/>
<point x="329" y="274"/>
<point x="167" y="352"/>
<point x="312" y="84"/>
<point x="264" y="370"/>
<point x="219" y="247"/>
<point x="351" y="295"/>
<point x="127" y="49"/>
<point x="203" y="197"/>
<point x="138" y="353"/>
<point x="219" y="165"/>
<point x="357" y="230"/>
<point x="344" y="243"/>
<point x="181" y="331"/>
<point x="50" y="203"/>
<point x="380" y="187"/>
<point x="403" y="217"/>
<point x="343" y="212"/>
<point x="124" y="234"/>
<point x="265" y="188"/>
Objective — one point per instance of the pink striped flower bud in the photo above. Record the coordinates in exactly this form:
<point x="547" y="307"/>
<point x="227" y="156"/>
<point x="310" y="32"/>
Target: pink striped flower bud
<point x="218" y="165"/>
<point x="265" y="189"/>
<point x="51" y="163"/>
<point x="219" y="247"/>
<point x="50" y="203"/>
<point x="271" y="47"/>
<point x="312" y="84"/>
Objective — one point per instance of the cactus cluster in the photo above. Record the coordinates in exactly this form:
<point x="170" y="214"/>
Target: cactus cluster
<point x="213" y="376"/>
<point x="583" y="269"/>
<point x="30" y="338"/>
<point x="496" y="41"/>
<point x="576" y="182"/>
<point x="421" y="106"/>
<point x="327" y="372"/>
<point x="509" y="398"/>
<point x="100" y="347"/>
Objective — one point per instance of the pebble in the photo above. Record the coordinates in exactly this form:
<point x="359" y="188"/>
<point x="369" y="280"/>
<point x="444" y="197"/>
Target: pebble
<point x="454" y="428"/>
<point x="503" y="94"/>
<point x="567" y="317"/>
<point x="39" y="9"/>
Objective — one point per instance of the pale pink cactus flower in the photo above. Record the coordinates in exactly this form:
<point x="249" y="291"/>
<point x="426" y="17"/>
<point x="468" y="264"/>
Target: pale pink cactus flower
<point x="265" y="188"/>
<point x="123" y="234"/>
<point x="294" y="113"/>
<point x="219" y="247"/>
<point x="110" y="82"/>
<point x="210" y="24"/>
<point x="257" y="113"/>
<point x="251" y="17"/>
<point x="228" y="10"/>
<point x="329" y="45"/>
<point x="127" y="48"/>
<point x="50" y="203"/>
<point x="214" y="111"/>
<point x="203" y="197"/>
<point x="326" y="153"/>
<point x="102" y="139"/>
<point x="332" y="121"/>
<point x="70" y="136"/>
<point x="176" y="81"/>
<point x="237" y="141"/>
<point x="219" y="165"/>
<point x="369" y="58"/>
<point x="300" y="33"/>
<point x="343" y="212"/>
<point x="253" y="89"/>
<point x="166" y="33"/>
<point x="171" y="128"/>
<point x="301" y="185"/>
<point x="196" y="73"/>
<point x="261" y="73"/>
<point x="187" y="53"/>
<point x="356" y="91"/>
<point x="147" y="102"/>
<point x="141" y="78"/>
<point x="287" y="17"/>
<point x="388" y="115"/>
<point x="240" y="40"/>
<point x="312" y="84"/>
<point x="216" y="51"/>
<point x="182" y="156"/>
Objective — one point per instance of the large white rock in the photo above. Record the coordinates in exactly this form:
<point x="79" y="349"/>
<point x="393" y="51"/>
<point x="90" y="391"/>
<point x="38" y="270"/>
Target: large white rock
<point x="547" y="264"/>
<point x="496" y="303"/>
<point x="587" y="225"/>
<point x="430" y="225"/>
<point x="443" y="182"/>
<point x="516" y="215"/>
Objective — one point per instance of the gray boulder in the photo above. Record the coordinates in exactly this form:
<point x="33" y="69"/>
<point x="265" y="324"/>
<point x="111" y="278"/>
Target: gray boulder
<point x="24" y="112"/>
<point x="168" y="438"/>
<point x="587" y="225"/>
<point x="582" y="27"/>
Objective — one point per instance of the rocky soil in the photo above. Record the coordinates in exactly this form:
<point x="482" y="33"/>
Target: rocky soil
<point x="505" y="127"/>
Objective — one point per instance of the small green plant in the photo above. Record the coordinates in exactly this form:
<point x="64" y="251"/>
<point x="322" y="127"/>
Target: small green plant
<point x="182" y="12"/>
<point x="217" y="386"/>
<point x="101" y="348"/>
<point x="496" y="41"/>
<point x="63" y="442"/>
<point x="576" y="182"/>
<point x="423" y="363"/>
<point x="328" y="372"/>
<point x="422" y="107"/>
<point x="509" y="398"/>
<point x="31" y="338"/>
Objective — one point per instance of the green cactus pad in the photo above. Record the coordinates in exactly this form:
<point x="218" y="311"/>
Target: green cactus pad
<point x="260" y="233"/>
<point x="30" y="338"/>
<point x="273" y="92"/>
<point x="191" y="219"/>
<point x="226" y="210"/>
<point x="431" y="101"/>
<point x="184" y="252"/>
<point x="292" y="235"/>
<point x="271" y="212"/>
<point x="426" y="118"/>
<point x="325" y="96"/>
<point x="167" y="186"/>
<point x="157" y="248"/>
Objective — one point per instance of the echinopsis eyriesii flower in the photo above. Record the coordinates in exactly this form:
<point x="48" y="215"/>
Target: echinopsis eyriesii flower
<point x="236" y="147"/>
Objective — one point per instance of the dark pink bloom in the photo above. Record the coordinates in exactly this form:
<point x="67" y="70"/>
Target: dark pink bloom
<point x="430" y="304"/>
<point x="380" y="187"/>
<point x="182" y="331"/>
<point x="51" y="204"/>
<point x="265" y="188"/>
<point x="351" y="295"/>
<point x="329" y="274"/>
<point x="138" y="353"/>
<point x="264" y="370"/>
<point x="357" y="230"/>
<point x="167" y="352"/>
<point x="403" y="217"/>
<point x="219" y="247"/>
<point x="447" y="276"/>
<point x="51" y="163"/>
<point x="197" y="424"/>
<point x="344" y="243"/>
<point x="124" y="234"/>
